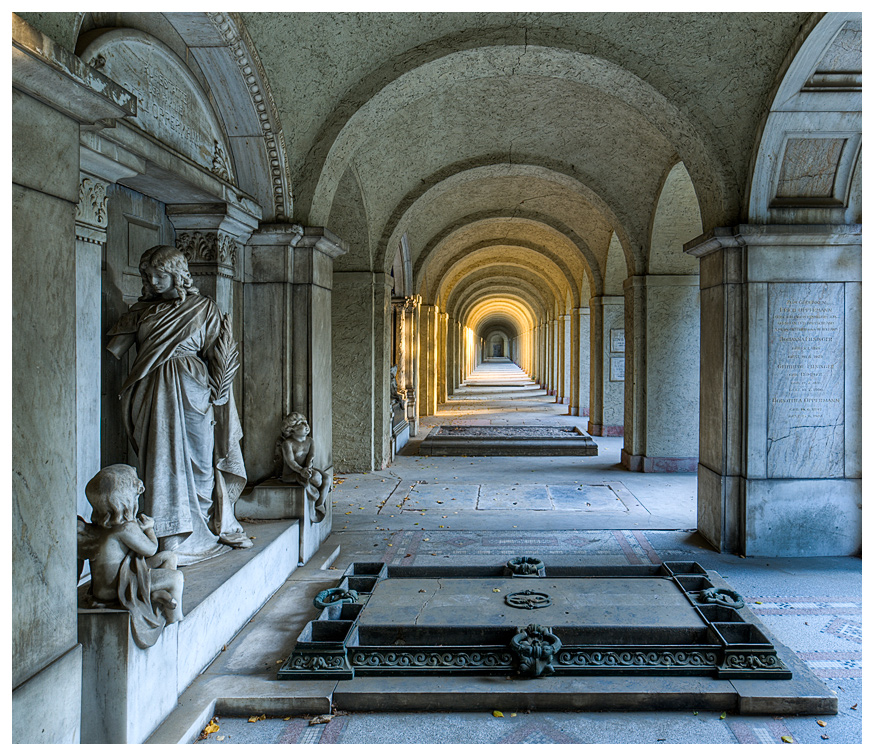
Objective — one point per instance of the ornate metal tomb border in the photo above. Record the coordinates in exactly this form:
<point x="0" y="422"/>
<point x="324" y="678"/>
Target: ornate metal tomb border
<point x="735" y="645"/>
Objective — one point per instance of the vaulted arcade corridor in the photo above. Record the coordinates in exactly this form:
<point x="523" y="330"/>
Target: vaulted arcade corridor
<point x="257" y="257"/>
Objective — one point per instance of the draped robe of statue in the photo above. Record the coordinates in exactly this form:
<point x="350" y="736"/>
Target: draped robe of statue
<point x="188" y="450"/>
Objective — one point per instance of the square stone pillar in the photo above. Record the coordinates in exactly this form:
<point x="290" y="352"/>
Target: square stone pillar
<point x="442" y="356"/>
<point x="428" y="334"/>
<point x="580" y="372"/>
<point x="607" y="355"/>
<point x="780" y="464"/>
<point x="54" y="94"/>
<point x="566" y="358"/>
<point x="661" y="397"/>
<point x="286" y="348"/>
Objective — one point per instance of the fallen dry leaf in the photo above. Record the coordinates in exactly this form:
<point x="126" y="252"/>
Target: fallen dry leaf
<point x="820" y="723"/>
<point x="787" y="739"/>
<point x="722" y="716"/>
<point x="321" y="719"/>
<point x="497" y="714"/>
<point x="258" y="718"/>
<point x="210" y="728"/>
<point x="853" y="707"/>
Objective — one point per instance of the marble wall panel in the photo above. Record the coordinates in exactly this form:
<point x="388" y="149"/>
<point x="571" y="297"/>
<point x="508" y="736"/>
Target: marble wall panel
<point x="853" y="380"/>
<point x="614" y="390"/>
<point x="44" y="480"/>
<point x="806" y="380"/>
<point x="711" y="439"/>
<point x="585" y="361"/>
<point x="809" y="263"/>
<point x="262" y="356"/>
<point x="52" y="698"/>
<point x="672" y="355"/>
<point x="803" y="517"/>
<point x="47" y="165"/>
<point x="352" y="339"/>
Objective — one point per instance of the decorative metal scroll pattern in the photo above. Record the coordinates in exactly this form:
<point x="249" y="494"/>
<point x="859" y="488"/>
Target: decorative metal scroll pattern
<point x="431" y="660"/>
<point x="666" y="659"/>
<point x="528" y="600"/>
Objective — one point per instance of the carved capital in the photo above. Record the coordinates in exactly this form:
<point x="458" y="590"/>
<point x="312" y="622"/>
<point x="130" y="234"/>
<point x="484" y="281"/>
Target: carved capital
<point x="91" y="210"/>
<point x="208" y="247"/>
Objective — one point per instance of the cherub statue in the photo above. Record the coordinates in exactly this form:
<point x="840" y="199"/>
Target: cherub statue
<point x="126" y="566"/>
<point x="296" y="447"/>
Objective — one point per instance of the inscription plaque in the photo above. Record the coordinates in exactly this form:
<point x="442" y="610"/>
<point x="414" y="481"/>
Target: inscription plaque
<point x="617" y="368"/>
<point x="171" y="105"/>
<point x="805" y="380"/>
<point x="617" y="339"/>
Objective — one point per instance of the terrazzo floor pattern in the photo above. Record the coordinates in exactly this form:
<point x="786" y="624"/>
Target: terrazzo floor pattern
<point x="814" y="606"/>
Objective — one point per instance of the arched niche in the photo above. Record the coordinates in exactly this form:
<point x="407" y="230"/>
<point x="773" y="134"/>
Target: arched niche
<point x="809" y="152"/>
<point x="171" y="105"/>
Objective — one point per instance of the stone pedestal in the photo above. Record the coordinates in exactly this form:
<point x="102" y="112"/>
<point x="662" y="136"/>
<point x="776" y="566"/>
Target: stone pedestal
<point x="661" y="403"/>
<point x="275" y="500"/>
<point x="779" y="470"/>
<point x="127" y="691"/>
<point x="607" y="354"/>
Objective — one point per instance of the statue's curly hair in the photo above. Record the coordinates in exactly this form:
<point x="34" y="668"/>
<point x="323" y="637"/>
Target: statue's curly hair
<point x="170" y="260"/>
<point x="109" y="493"/>
<point x="291" y="420"/>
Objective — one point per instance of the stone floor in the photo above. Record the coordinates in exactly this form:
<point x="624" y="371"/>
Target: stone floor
<point x="568" y="510"/>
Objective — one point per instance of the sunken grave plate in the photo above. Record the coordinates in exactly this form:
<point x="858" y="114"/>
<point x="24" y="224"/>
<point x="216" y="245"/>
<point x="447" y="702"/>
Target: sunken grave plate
<point x="528" y="620"/>
<point x="508" y="440"/>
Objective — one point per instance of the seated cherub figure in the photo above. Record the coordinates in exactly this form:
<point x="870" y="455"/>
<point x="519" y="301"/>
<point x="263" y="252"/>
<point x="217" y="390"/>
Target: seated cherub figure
<point x="126" y="566"/>
<point x="296" y="446"/>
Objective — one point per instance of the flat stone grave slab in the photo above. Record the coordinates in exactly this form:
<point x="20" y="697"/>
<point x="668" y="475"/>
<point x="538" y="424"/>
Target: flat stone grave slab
<point x="498" y="440"/>
<point x="646" y="636"/>
<point x="597" y="498"/>
<point x="523" y="496"/>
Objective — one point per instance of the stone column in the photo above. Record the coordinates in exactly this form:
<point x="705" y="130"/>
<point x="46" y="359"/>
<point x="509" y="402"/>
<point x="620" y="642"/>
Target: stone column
<point x="579" y="400"/>
<point x="661" y="398"/>
<point x="91" y="220"/>
<point x="607" y="354"/>
<point x="566" y="359"/>
<point x="442" y="355"/>
<point x="780" y="464"/>
<point x="382" y="285"/>
<point x="428" y="319"/>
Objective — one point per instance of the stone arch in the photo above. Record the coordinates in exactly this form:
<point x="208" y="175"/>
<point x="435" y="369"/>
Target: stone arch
<point x="809" y="153"/>
<point x="351" y="130"/>
<point x="458" y="178"/>
<point x="230" y="70"/>
<point x="676" y="220"/>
